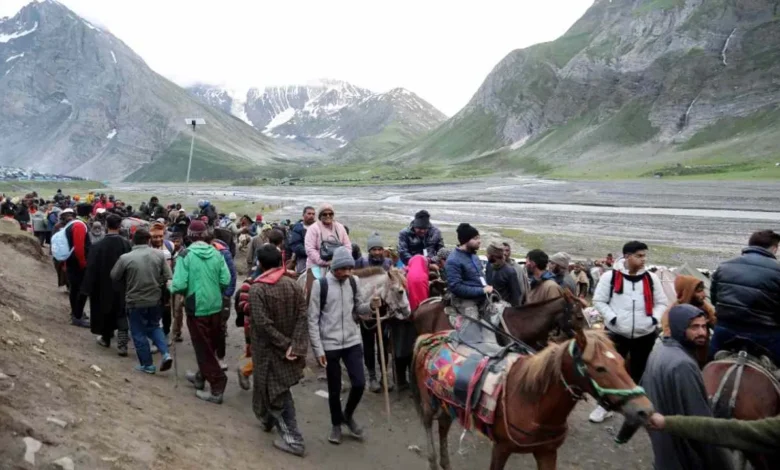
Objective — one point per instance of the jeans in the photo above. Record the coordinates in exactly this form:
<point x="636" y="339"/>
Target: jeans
<point x="638" y="349"/>
<point x="77" y="299"/>
<point x="352" y="358"/>
<point x="145" y="323"/>
<point x="722" y="335"/>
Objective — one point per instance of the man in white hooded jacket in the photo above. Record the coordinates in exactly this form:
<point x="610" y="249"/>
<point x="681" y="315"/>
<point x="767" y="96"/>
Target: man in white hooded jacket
<point x="632" y="302"/>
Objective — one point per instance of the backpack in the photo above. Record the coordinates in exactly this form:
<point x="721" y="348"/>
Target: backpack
<point x="324" y="293"/>
<point x="60" y="248"/>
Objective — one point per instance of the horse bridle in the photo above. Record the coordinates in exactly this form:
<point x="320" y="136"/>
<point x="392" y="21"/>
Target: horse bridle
<point x="599" y="393"/>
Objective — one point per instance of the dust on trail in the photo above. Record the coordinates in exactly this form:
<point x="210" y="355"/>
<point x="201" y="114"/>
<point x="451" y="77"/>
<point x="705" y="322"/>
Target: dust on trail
<point x="123" y="420"/>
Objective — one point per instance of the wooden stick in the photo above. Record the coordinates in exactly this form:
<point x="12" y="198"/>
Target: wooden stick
<point x="382" y="362"/>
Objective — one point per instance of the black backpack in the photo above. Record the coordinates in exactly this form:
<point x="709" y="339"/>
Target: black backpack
<point x="324" y="294"/>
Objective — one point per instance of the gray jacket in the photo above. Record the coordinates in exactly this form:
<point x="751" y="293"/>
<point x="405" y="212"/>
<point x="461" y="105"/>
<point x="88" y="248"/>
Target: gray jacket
<point x="144" y="273"/>
<point x="334" y="327"/>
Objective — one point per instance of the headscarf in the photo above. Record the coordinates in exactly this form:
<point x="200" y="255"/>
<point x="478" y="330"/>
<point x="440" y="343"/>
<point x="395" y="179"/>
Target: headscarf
<point x="417" y="281"/>
<point x="685" y="287"/>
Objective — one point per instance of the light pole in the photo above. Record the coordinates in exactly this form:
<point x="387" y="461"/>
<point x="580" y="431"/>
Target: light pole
<point x="191" y="122"/>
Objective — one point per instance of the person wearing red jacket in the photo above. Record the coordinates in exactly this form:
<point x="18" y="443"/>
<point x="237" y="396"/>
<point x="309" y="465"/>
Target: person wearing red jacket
<point x="76" y="265"/>
<point x="103" y="203"/>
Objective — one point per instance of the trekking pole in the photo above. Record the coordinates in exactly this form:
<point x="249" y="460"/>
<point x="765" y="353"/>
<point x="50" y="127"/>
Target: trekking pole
<point x="382" y="362"/>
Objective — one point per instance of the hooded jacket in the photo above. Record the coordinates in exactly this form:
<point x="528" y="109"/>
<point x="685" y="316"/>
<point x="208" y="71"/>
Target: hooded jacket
<point x="675" y="386"/>
<point x="685" y="287"/>
<point x="409" y="244"/>
<point x="201" y="276"/>
<point x="746" y="292"/>
<point x="625" y="314"/>
<point x="464" y="275"/>
<point x="334" y="327"/>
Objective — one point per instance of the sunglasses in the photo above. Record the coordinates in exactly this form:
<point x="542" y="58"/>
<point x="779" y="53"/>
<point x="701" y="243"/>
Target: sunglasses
<point x="327" y="214"/>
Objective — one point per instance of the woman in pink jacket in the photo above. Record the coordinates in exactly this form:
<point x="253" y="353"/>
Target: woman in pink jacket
<point x="323" y="236"/>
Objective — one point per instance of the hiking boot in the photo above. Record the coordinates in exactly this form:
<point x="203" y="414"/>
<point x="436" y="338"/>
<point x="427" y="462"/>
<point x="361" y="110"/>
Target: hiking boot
<point x="243" y="381"/>
<point x="354" y="429"/>
<point x="374" y="386"/>
<point x="80" y="322"/>
<point x="101" y="342"/>
<point x="146" y="369"/>
<point x="195" y="379"/>
<point x="285" y="447"/>
<point x="167" y="362"/>
<point x="207" y="396"/>
<point x="599" y="415"/>
<point x="335" y="435"/>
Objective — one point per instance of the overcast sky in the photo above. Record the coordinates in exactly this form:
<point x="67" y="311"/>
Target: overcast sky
<point x="438" y="49"/>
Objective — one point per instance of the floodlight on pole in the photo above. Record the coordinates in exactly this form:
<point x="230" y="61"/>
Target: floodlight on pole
<point x="192" y="122"/>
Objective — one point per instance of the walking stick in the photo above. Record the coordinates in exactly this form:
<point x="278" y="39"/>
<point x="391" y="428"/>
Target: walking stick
<point x="382" y="362"/>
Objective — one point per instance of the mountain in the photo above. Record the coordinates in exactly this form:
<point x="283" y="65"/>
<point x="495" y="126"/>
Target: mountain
<point x="75" y="99"/>
<point x="632" y="88"/>
<point x="329" y="116"/>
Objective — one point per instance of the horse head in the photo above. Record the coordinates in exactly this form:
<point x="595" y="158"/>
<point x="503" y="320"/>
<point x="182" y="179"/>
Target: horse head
<point x="395" y="294"/>
<point x="595" y="367"/>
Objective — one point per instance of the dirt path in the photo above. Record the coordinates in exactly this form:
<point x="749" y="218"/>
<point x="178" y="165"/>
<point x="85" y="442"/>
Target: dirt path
<point x="121" y="419"/>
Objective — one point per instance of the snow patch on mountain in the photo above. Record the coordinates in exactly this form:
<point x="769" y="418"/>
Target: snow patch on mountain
<point x="17" y="56"/>
<point x="280" y="119"/>
<point x="9" y="37"/>
<point x="113" y="56"/>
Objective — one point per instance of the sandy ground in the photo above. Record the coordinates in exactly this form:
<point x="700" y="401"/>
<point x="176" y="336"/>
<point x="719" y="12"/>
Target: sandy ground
<point x="120" y="419"/>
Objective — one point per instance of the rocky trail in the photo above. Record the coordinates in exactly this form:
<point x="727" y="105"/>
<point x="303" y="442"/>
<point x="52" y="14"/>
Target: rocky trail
<point x="74" y="405"/>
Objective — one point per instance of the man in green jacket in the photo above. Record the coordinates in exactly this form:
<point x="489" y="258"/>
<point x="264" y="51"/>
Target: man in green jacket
<point x="200" y="276"/>
<point x="761" y="436"/>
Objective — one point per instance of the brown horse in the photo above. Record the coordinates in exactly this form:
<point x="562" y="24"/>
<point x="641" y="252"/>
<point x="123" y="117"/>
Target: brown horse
<point x="539" y="393"/>
<point x="756" y="396"/>
<point x="530" y="323"/>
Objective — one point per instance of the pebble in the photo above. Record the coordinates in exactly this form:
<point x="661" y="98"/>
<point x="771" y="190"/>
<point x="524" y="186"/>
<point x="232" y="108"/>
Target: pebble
<point x="58" y="422"/>
<point x="38" y="350"/>
<point x="42" y="341"/>
<point x="15" y="315"/>
<point x="415" y="448"/>
<point x="9" y="342"/>
<point x="109" y="459"/>
<point x="96" y="368"/>
<point x="33" y="446"/>
<point x="65" y="463"/>
<point x="92" y="382"/>
<point x="321" y="393"/>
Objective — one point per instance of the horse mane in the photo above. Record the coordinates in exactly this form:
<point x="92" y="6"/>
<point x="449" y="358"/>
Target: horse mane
<point x="538" y="372"/>
<point x="369" y="271"/>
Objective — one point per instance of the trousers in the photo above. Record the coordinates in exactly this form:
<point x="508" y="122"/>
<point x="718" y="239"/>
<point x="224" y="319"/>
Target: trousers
<point x="769" y="341"/>
<point x="371" y="348"/>
<point x="471" y="333"/>
<point x="77" y="299"/>
<point x="352" y="359"/>
<point x="205" y="333"/>
<point x="145" y="323"/>
<point x="637" y="349"/>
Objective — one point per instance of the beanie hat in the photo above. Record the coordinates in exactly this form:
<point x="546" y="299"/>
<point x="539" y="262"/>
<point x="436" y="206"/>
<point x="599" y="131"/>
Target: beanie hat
<point x="342" y="258"/>
<point x="422" y="220"/>
<point x="442" y="254"/>
<point x="561" y="259"/>
<point x="465" y="233"/>
<point x="374" y="241"/>
<point x="196" y="227"/>
<point x="323" y="207"/>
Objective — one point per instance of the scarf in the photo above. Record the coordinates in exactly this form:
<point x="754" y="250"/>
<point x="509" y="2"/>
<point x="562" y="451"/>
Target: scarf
<point x="271" y="276"/>
<point x="647" y="287"/>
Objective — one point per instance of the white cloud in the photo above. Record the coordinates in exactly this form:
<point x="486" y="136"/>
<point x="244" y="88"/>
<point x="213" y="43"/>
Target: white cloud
<point x="438" y="49"/>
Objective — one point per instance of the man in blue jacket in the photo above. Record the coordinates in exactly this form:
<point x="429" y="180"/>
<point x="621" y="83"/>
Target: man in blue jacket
<point x="746" y="294"/>
<point x="298" y="237"/>
<point x="468" y="287"/>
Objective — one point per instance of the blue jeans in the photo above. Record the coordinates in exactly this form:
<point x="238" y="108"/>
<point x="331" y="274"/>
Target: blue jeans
<point x="770" y="341"/>
<point x="145" y="323"/>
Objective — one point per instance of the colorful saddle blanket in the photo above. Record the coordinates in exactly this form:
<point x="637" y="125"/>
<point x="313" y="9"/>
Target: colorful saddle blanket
<point x="465" y="383"/>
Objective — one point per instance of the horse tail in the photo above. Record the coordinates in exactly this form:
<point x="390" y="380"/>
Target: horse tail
<point x="414" y="382"/>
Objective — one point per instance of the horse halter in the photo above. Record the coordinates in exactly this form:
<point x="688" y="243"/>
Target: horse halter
<point x="601" y="393"/>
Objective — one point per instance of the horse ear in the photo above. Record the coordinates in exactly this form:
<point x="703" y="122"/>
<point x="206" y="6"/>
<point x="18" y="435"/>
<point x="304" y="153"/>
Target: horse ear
<point x="581" y="339"/>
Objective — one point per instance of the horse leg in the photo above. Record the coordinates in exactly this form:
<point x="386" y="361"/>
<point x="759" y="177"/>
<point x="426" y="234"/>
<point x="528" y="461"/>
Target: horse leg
<point x="499" y="457"/>
<point x="546" y="460"/>
<point x="427" y="419"/>
<point x="444" y="447"/>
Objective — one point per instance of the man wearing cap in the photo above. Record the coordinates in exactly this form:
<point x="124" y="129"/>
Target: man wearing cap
<point x="419" y="238"/>
<point x="501" y="276"/>
<point x="559" y="267"/>
<point x="335" y="338"/>
<point x="231" y="224"/>
<point x="469" y="289"/>
<point x="201" y="276"/>
<point x="297" y="245"/>
<point x="76" y="264"/>
<point x="376" y="254"/>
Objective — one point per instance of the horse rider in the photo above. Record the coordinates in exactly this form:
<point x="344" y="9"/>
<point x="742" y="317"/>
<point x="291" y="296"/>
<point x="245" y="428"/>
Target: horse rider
<point x="420" y="238"/>
<point x="746" y="294"/>
<point x="469" y="290"/>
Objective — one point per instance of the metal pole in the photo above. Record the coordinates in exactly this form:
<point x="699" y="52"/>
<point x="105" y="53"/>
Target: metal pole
<point x="189" y="165"/>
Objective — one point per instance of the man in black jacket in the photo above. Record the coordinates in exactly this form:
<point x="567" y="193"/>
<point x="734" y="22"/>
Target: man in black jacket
<point x="746" y="294"/>
<point x="420" y="238"/>
<point x="501" y="276"/>
<point x="296" y="244"/>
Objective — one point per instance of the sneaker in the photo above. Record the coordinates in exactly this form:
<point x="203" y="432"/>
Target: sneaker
<point x="599" y="415"/>
<point x="268" y="424"/>
<point x="167" y="362"/>
<point x="335" y="435"/>
<point x="243" y="381"/>
<point x="223" y="365"/>
<point x="80" y="322"/>
<point x="195" y="379"/>
<point x="121" y="351"/>
<point x="146" y="369"/>
<point x="154" y="349"/>
<point x="207" y="396"/>
<point x="285" y="447"/>
<point x="354" y="429"/>
<point x="100" y="342"/>
<point x="373" y="386"/>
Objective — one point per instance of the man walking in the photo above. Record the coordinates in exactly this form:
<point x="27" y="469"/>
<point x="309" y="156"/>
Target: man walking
<point x="297" y="245"/>
<point x="201" y="276"/>
<point x="631" y="301"/>
<point x="279" y="344"/>
<point x="675" y="386"/>
<point x="106" y="298"/>
<point x="419" y="238"/>
<point x="144" y="273"/>
<point x="335" y="337"/>
<point x="746" y="295"/>
<point x="76" y="265"/>
<point x="501" y="276"/>
<point x="542" y="285"/>
<point x="227" y="294"/>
